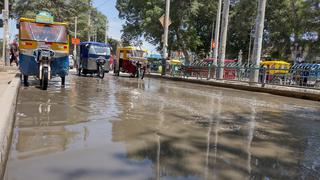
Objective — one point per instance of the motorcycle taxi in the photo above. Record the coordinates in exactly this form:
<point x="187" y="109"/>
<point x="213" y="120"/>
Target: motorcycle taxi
<point x="94" y="58"/>
<point x="44" y="49"/>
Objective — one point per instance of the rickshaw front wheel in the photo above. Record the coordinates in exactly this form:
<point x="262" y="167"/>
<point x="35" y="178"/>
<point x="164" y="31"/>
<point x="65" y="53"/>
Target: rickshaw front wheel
<point x="44" y="80"/>
<point x="101" y="72"/>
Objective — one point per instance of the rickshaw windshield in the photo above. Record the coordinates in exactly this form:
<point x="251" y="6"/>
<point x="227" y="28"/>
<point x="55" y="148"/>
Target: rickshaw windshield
<point x="43" y="32"/>
<point x="136" y="53"/>
<point x="100" y="50"/>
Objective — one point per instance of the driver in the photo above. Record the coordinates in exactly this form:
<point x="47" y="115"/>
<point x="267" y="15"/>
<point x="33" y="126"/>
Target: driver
<point x="46" y="34"/>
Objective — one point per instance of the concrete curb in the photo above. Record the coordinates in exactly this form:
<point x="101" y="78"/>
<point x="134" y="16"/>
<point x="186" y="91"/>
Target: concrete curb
<point x="8" y="102"/>
<point x="287" y="93"/>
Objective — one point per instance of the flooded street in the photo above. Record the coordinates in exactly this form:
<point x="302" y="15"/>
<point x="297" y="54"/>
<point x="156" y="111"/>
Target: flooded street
<point x="123" y="128"/>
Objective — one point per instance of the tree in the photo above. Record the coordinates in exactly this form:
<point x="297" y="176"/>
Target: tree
<point x="242" y="20"/>
<point x="114" y="44"/>
<point x="190" y="30"/>
<point x="286" y="22"/>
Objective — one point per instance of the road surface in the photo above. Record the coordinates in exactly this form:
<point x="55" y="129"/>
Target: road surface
<point x="124" y="128"/>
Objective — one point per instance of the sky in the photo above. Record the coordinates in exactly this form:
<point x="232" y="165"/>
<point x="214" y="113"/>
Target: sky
<point x="12" y="29"/>
<point x="107" y="7"/>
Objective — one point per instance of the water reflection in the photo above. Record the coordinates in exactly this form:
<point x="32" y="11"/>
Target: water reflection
<point x="250" y="140"/>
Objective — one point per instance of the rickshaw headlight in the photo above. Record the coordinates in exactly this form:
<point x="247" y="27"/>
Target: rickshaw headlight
<point x="101" y="61"/>
<point x="52" y="53"/>
<point x="35" y="53"/>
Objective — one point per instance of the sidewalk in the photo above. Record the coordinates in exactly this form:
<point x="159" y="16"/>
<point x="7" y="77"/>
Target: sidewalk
<point x="295" y="92"/>
<point x="9" y="87"/>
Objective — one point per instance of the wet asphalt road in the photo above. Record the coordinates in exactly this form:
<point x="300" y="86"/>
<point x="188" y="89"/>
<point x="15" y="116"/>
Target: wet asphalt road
<point x="123" y="128"/>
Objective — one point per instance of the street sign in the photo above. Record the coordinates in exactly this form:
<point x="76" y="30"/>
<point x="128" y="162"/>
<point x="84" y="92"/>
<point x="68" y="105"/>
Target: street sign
<point x="213" y="45"/>
<point x="162" y="19"/>
<point x="44" y="17"/>
<point x="75" y="41"/>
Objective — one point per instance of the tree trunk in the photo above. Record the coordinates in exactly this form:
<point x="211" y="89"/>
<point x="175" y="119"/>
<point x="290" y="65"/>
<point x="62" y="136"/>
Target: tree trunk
<point x="223" y="39"/>
<point x="187" y="57"/>
<point x="256" y="56"/>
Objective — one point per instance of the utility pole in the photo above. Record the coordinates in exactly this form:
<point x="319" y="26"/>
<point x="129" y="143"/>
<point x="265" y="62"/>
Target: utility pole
<point x="94" y="35"/>
<point x="75" y="36"/>
<point x="211" y="43"/>
<point x="165" y="41"/>
<point x="89" y="21"/>
<point x="217" y="34"/>
<point x="250" y="45"/>
<point x="256" y="56"/>
<point x="211" y="50"/>
<point x="223" y="40"/>
<point x="106" y="36"/>
<point x="5" y="15"/>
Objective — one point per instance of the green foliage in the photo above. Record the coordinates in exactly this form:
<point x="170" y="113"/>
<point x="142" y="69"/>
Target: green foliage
<point x="65" y="11"/>
<point x="287" y="22"/>
<point x="190" y="29"/>
<point x="242" y="21"/>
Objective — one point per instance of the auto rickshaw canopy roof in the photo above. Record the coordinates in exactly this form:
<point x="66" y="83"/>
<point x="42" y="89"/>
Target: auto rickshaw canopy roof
<point x="175" y="62"/>
<point x="34" y="21"/>
<point x="274" y="63"/>
<point x="95" y="43"/>
<point x="131" y="48"/>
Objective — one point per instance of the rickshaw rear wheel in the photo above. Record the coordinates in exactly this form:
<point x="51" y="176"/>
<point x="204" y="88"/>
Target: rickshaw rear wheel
<point x="317" y="84"/>
<point x="79" y="71"/>
<point x="138" y="72"/>
<point x="143" y="73"/>
<point x="116" y="72"/>
<point x="63" y="80"/>
<point x="25" y="81"/>
<point x="44" y="80"/>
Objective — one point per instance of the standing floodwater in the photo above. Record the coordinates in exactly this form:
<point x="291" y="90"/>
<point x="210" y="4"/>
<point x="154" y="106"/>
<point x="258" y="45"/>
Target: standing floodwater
<point x="123" y="128"/>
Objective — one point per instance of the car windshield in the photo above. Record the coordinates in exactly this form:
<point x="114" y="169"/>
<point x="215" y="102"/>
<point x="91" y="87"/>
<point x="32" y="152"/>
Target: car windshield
<point x="43" y="32"/>
<point x="100" y="50"/>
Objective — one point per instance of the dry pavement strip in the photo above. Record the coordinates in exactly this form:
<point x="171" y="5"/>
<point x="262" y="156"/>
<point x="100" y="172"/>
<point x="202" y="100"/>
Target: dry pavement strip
<point x="294" y="92"/>
<point x="9" y="87"/>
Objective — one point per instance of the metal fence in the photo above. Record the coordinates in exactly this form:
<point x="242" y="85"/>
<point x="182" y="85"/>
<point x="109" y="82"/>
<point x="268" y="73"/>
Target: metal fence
<point x="300" y="75"/>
